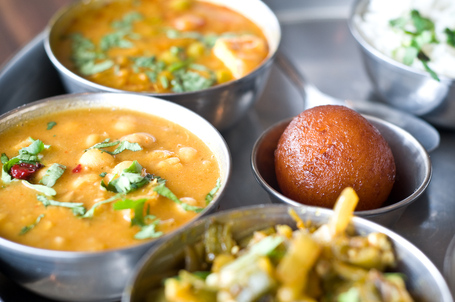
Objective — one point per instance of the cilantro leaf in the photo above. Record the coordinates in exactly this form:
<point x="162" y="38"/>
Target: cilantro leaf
<point x="136" y="205"/>
<point x="126" y="145"/>
<point x="149" y="231"/>
<point x="450" y="36"/>
<point x="190" y="81"/>
<point x="50" y="125"/>
<point x="166" y="192"/>
<point x="91" y="68"/>
<point x="424" y="34"/>
<point x="211" y="194"/>
<point x="52" y="174"/>
<point x="27" y="228"/>
<point x="4" y="158"/>
<point x="123" y="145"/>
<point x="115" y="39"/>
<point x="129" y="180"/>
<point x="127" y="21"/>
<point x="421" y="24"/>
<point x="91" y="211"/>
<point x="77" y="207"/>
<point x="40" y="188"/>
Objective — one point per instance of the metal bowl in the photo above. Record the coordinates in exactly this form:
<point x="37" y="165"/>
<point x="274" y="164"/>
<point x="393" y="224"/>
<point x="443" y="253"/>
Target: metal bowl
<point x="222" y="105"/>
<point x="413" y="169"/>
<point x="424" y="281"/>
<point x="97" y="276"/>
<point x="402" y="86"/>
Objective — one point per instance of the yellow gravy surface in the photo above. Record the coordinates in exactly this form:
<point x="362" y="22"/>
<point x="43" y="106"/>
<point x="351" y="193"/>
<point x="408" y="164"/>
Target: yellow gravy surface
<point x="161" y="45"/>
<point x="102" y="200"/>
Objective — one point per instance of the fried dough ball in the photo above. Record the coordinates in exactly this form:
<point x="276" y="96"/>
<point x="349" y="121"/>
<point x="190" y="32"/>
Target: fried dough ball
<point x="328" y="148"/>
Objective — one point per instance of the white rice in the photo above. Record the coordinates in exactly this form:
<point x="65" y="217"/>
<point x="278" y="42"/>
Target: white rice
<point x="375" y="28"/>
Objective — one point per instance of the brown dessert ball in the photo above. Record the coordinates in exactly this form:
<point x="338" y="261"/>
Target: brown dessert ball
<point x="328" y="148"/>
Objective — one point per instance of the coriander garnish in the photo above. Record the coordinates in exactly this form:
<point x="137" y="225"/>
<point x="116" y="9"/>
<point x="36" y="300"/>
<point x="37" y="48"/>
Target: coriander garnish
<point x="27" y="228"/>
<point x="424" y="34"/>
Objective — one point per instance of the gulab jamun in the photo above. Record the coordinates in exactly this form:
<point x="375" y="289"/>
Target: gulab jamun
<point x="328" y="148"/>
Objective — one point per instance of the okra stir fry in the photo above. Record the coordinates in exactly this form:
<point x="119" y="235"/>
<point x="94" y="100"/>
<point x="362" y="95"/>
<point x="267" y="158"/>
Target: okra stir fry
<point x="328" y="263"/>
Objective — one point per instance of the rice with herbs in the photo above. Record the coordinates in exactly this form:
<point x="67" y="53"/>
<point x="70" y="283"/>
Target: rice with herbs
<point x="418" y="33"/>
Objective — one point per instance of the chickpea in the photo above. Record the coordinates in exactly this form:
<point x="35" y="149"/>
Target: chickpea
<point x="145" y="140"/>
<point x="94" y="159"/>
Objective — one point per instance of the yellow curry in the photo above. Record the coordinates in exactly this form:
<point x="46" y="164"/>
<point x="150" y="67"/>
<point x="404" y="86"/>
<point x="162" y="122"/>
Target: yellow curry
<point x="160" y="46"/>
<point x="97" y="179"/>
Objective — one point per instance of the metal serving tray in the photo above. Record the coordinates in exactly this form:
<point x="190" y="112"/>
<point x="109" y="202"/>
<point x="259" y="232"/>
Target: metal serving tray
<point x="317" y="39"/>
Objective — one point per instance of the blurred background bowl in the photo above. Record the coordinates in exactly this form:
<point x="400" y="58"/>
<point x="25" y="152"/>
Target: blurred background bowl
<point x="402" y="86"/>
<point x="222" y="105"/>
<point x="424" y="281"/>
<point x="97" y="276"/>
<point x="413" y="169"/>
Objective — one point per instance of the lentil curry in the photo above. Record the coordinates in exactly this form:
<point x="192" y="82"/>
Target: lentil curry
<point x="97" y="179"/>
<point x="160" y="46"/>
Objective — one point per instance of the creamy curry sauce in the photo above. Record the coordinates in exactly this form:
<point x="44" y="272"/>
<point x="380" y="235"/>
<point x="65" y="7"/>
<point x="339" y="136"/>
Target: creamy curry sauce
<point x="161" y="45"/>
<point x="167" y="150"/>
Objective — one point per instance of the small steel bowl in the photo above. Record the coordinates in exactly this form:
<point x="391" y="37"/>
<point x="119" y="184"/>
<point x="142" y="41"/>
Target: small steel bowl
<point x="222" y="105"/>
<point x="402" y="86"/>
<point x="97" y="276"/>
<point x="413" y="169"/>
<point x="424" y="281"/>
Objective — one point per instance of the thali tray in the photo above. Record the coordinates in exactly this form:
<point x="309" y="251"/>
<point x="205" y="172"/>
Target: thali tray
<point x="317" y="40"/>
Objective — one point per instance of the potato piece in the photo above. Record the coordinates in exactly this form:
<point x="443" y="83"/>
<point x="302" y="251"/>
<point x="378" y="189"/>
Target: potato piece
<point x="241" y="55"/>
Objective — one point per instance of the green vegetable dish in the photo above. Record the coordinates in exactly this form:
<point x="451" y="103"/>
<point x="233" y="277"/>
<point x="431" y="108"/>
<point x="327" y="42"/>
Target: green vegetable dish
<point x="325" y="263"/>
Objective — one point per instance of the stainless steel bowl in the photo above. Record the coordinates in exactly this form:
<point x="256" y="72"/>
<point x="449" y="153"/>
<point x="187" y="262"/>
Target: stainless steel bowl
<point x="221" y="105"/>
<point x="97" y="276"/>
<point x="404" y="87"/>
<point x="424" y="281"/>
<point x="413" y="169"/>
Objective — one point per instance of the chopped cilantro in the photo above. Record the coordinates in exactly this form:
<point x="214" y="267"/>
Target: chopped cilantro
<point x="87" y="60"/>
<point x="90" y="67"/>
<point x="50" y="125"/>
<point x="77" y="207"/>
<point x="126" y="22"/>
<point x="40" y="188"/>
<point x="190" y="81"/>
<point x="27" y="228"/>
<point x="122" y="146"/>
<point x="129" y="180"/>
<point x="424" y="34"/>
<point x="103" y="174"/>
<point x="52" y="174"/>
<point x="450" y="36"/>
<point x="211" y="194"/>
<point x="91" y="211"/>
<point x="166" y="192"/>
<point x="149" y="231"/>
<point x="164" y="81"/>
<point x="136" y="205"/>
<point x="115" y="39"/>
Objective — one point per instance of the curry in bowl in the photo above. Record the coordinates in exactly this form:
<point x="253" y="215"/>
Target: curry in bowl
<point x="159" y="46"/>
<point x="89" y="179"/>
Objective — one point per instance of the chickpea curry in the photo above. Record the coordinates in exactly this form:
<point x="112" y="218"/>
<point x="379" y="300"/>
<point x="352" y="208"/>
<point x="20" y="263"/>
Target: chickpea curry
<point x="87" y="180"/>
<point x="160" y="46"/>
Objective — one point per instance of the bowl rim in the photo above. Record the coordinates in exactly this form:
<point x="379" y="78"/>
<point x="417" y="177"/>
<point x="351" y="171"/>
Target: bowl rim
<point x="371" y="213"/>
<point x="259" y="209"/>
<point x="357" y="9"/>
<point x="79" y="79"/>
<point x="89" y="98"/>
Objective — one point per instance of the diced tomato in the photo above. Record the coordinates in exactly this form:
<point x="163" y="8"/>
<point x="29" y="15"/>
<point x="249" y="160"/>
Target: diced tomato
<point x="77" y="169"/>
<point x="24" y="170"/>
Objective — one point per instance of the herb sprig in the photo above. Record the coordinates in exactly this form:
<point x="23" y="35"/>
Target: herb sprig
<point x="423" y="34"/>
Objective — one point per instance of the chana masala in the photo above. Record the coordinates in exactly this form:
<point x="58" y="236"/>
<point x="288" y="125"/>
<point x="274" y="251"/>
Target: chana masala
<point x="87" y="180"/>
<point x="160" y="46"/>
